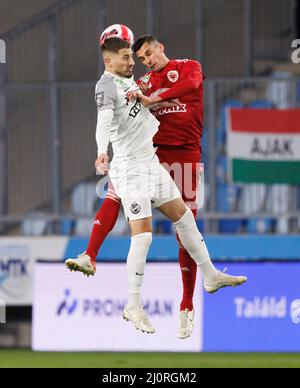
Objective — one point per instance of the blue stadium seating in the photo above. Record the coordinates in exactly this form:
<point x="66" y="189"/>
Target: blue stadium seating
<point x="260" y="225"/>
<point x="261" y="104"/>
<point x="162" y="226"/>
<point x="67" y="227"/>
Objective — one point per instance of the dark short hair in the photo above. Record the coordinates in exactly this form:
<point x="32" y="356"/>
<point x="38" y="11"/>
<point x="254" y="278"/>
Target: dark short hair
<point x="142" y="40"/>
<point x="114" y="45"/>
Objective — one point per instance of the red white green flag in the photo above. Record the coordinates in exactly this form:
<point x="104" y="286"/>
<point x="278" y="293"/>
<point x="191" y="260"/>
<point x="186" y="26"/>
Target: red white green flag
<point x="264" y="145"/>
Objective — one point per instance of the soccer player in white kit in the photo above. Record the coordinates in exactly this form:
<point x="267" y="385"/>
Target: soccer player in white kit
<point x="140" y="181"/>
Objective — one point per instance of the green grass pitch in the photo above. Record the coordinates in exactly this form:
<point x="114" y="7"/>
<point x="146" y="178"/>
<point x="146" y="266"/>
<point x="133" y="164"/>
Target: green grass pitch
<point x="28" y="359"/>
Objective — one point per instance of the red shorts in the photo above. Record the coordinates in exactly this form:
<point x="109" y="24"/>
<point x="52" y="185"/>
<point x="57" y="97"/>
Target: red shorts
<point x="184" y="168"/>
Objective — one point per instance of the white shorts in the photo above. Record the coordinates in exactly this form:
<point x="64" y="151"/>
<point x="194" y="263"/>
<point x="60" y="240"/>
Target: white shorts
<point x="142" y="183"/>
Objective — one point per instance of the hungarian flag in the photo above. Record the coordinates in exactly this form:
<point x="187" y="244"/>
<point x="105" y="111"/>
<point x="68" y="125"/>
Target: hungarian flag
<point x="263" y="145"/>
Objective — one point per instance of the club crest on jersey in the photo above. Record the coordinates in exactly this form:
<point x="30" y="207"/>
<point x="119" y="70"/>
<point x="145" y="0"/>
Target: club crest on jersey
<point x="135" y="208"/>
<point x="173" y="76"/>
<point x="146" y="78"/>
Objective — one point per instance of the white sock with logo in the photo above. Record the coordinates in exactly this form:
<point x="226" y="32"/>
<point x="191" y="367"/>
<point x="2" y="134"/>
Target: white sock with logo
<point x="193" y="242"/>
<point x="136" y="263"/>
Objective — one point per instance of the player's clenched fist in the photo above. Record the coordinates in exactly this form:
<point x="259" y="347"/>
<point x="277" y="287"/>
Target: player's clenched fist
<point x="101" y="164"/>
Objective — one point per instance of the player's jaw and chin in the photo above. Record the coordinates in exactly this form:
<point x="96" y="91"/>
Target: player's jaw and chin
<point x="125" y="71"/>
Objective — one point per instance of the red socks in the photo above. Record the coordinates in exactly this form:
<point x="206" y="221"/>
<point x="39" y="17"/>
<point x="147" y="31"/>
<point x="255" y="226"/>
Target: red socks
<point x="105" y="221"/>
<point x="189" y="276"/>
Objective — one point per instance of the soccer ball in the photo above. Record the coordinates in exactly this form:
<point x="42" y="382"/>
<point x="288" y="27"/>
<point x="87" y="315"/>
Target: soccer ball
<point x="117" y="31"/>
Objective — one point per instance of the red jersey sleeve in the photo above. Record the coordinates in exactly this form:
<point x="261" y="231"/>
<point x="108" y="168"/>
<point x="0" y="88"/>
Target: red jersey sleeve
<point x="191" y="77"/>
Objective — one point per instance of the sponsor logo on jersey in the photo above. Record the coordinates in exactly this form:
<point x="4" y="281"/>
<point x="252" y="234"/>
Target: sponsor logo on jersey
<point x="135" y="110"/>
<point x="173" y="76"/>
<point x="174" y="109"/>
<point x="135" y="208"/>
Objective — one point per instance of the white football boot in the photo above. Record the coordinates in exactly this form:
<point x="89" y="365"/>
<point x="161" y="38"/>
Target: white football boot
<point x="186" y="323"/>
<point x="139" y="318"/>
<point x="83" y="264"/>
<point x="223" y="280"/>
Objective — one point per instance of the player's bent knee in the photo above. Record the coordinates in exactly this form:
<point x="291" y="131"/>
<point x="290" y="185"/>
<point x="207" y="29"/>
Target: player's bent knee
<point x="143" y="239"/>
<point x="174" y="210"/>
<point x="141" y="226"/>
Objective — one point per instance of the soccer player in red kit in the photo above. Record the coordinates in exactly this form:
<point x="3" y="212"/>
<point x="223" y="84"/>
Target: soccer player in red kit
<point x="178" y="141"/>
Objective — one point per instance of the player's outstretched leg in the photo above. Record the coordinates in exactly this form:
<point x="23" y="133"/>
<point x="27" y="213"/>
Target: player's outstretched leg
<point x="105" y="221"/>
<point x="189" y="275"/>
<point x="136" y="262"/>
<point x="193" y="241"/>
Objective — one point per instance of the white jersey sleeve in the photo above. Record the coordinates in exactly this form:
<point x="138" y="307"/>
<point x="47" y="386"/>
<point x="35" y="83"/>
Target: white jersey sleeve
<point x="106" y="94"/>
<point x="104" y="123"/>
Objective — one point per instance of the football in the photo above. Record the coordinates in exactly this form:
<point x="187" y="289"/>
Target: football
<point x="117" y="31"/>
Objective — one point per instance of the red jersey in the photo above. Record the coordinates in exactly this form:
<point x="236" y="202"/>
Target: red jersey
<point x="181" y="125"/>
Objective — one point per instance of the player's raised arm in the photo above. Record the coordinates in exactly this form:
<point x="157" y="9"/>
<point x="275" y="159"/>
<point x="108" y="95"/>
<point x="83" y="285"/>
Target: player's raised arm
<point x="191" y="78"/>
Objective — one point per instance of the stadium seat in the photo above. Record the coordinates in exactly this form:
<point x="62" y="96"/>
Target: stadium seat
<point x="83" y="199"/>
<point x="279" y="202"/>
<point x="253" y="200"/>
<point x="260" y="225"/>
<point x="231" y="226"/>
<point x="261" y="104"/>
<point x="279" y="90"/>
<point x="67" y="227"/>
<point x="83" y="203"/>
<point x="34" y="224"/>
<point x="227" y="198"/>
<point x="201" y="225"/>
<point x="121" y="228"/>
<point x="163" y="227"/>
<point x="83" y="227"/>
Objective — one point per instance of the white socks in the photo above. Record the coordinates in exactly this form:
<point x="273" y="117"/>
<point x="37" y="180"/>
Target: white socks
<point x="193" y="242"/>
<point x="136" y="263"/>
<point x="190" y="238"/>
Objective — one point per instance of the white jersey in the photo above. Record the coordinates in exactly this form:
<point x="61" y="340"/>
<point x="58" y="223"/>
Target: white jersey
<point x="133" y="126"/>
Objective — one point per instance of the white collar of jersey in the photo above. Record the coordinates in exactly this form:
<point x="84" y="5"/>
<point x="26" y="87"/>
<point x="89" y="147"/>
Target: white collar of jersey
<point x="125" y="82"/>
